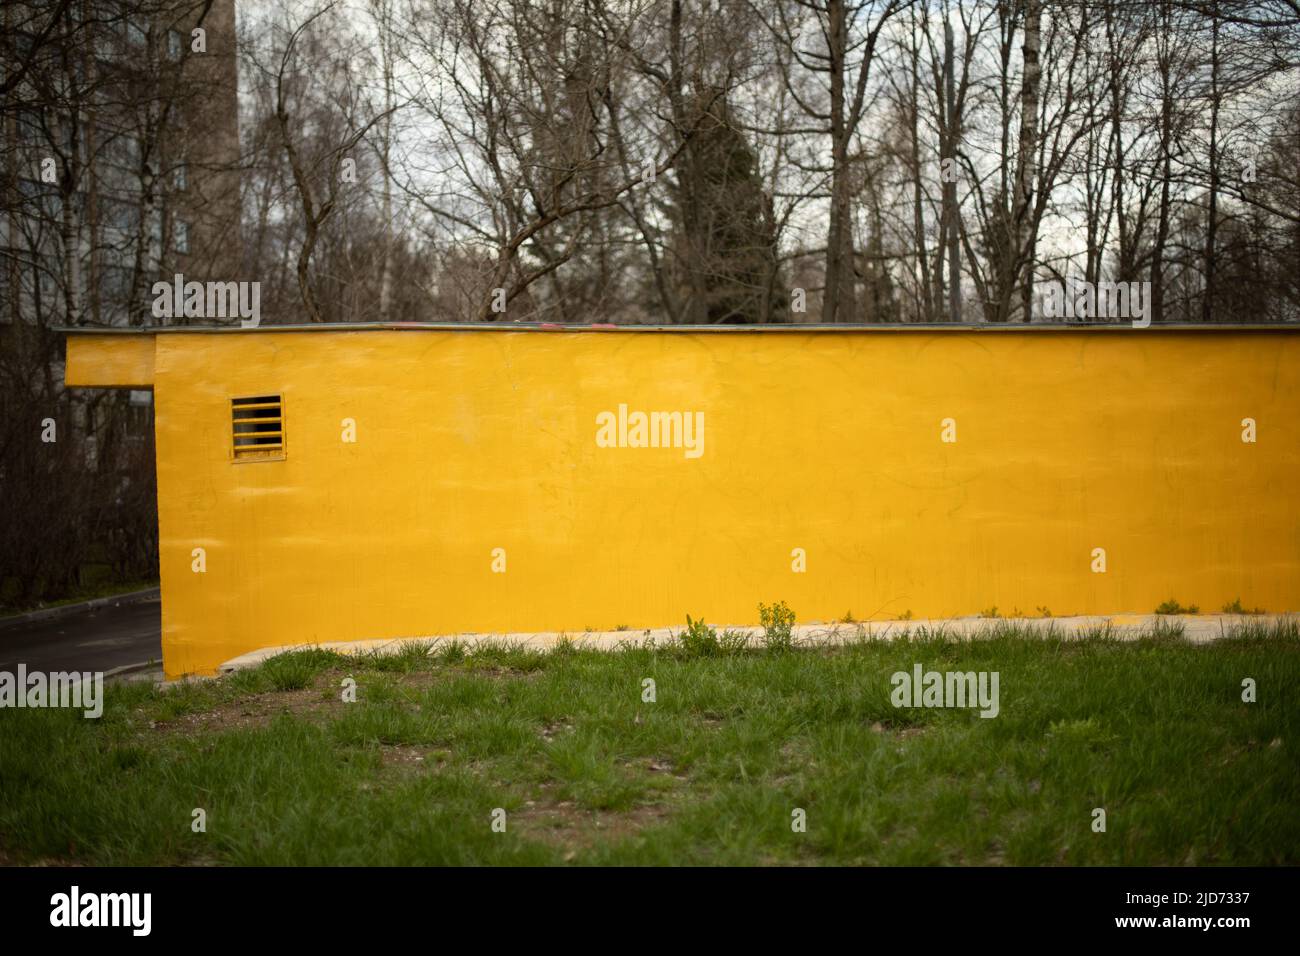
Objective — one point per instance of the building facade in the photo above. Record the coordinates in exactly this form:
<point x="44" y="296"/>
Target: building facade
<point x="118" y="168"/>
<point x="334" y="483"/>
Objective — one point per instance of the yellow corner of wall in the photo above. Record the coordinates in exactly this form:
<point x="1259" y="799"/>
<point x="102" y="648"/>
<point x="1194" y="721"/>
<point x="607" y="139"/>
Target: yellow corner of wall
<point x="110" y="361"/>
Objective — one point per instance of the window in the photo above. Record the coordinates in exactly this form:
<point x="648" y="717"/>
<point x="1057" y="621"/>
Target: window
<point x="181" y="176"/>
<point x="114" y="285"/>
<point x="5" y="286"/>
<point x="30" y="130"/>
<point x="257" y="428"/>
<point x="137" y="34"/>
<point x="23" y="44"/>
<point x="181" y="236"/>
<point x="123" y="151"/>
<point x="39" y="278"/>
<point x="121" y="34"/>
<point x="41" y="201"/>
<point x="119" y="215"/>
<point x="173" y="45"/>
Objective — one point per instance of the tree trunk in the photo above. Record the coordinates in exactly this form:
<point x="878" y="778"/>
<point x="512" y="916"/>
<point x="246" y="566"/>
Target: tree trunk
<point x="1212" y="214"/>
<point x="1026" y="238"/>
<point x="950" y="209"/>
<point x="918" y="209"/>
<point x="838" y="303"/>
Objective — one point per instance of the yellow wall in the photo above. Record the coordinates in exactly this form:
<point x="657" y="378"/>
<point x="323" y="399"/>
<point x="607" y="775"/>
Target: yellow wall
<point x="110" y="360"/>
<point x="469" y="441"/>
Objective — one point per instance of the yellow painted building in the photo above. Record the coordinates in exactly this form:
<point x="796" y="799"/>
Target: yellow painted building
<point x="340" y="482"/>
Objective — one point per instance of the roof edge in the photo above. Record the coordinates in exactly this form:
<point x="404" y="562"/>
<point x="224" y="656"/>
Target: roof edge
<point x="1010" y="327"/>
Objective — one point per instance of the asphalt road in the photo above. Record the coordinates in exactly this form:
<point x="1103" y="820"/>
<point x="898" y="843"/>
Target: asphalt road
<point x="99" y="639"/>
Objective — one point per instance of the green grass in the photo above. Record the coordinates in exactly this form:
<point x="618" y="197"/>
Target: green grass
<point x="1154" y="731"/>
<point x="1234" y="607"/>
<point x="1173" y="607"/>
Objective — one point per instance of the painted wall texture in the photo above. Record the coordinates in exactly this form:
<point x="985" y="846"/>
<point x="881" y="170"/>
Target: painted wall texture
<point x="829" y="442"/>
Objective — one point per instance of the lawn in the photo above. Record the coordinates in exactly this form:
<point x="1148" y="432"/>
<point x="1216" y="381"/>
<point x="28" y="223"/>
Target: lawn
<point x="1153" y="731"/>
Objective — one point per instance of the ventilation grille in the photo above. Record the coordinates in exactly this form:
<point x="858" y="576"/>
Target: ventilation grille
<point x="257" y="427"/>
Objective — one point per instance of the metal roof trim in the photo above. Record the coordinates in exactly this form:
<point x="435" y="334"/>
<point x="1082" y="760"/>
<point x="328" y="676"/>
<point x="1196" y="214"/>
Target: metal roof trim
<point x="541" y="327"/>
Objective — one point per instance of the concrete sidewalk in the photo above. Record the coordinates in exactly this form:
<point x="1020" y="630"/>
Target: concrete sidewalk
<point x="1198" y="629"/>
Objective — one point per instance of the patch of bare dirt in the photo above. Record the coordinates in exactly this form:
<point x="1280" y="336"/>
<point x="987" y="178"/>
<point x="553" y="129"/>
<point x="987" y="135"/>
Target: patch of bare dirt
<point x="657" y="767"/>
<point x="563" y="823"/>
<point x="906" y="732"/>
<point x="555" y="729"/>
<point x="6" y="859"/>
<point x="323" y="698"/>
<point x="251" y="712"/>
<point x="405" y="755"/>
<point x="413" y="756"/>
